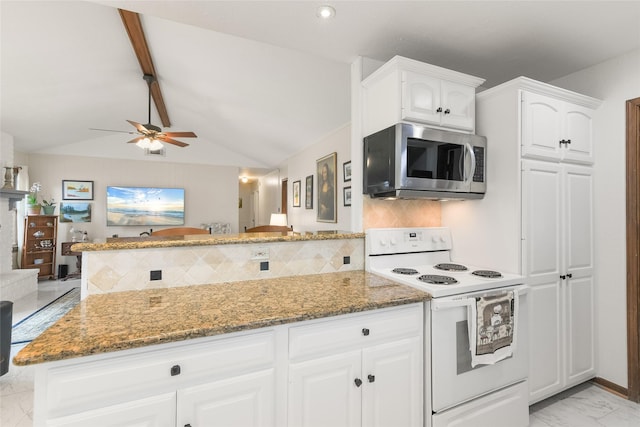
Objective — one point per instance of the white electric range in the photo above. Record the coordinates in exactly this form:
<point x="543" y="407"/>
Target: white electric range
<point x="462" y="392"/>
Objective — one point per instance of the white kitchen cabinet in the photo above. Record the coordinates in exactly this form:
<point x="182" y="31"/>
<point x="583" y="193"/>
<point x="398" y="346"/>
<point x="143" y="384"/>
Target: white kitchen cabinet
<point x="155" y="411"/>
<point x="536" y="219"/>
<point x="558" y="223"/>
<point x="557" y="130"/>
<point x="408" y="90"/>
<point x="241" y="401"/>
<point x="375" y="378"/>
<point x="229" y="378"/>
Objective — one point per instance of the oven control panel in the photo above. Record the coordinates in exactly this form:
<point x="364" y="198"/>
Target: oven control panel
<point x="384" y="241"/>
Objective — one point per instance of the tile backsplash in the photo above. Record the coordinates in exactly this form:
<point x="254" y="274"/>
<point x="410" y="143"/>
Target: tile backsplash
<point x="400" y="213"/>
<point x="125" y="270"/>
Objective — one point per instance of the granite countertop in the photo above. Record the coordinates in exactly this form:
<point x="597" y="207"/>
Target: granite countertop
<point x="126" y="320"/>
<point x="210" y="239"/>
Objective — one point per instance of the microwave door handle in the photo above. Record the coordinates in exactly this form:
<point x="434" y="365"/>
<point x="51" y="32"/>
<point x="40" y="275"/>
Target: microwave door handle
<point x="469" y="177"/>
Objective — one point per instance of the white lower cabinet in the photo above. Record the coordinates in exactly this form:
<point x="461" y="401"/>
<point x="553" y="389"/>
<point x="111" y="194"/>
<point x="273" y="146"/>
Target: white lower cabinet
<point x="362" y="369"/>
<point x="155" y="411"/>
<point x="244" y="401"/>
<point x="378" y="383"/>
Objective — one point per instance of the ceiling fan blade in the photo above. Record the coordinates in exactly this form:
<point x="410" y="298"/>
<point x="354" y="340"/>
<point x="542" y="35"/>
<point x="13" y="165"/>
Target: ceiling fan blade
<point x="111" y="130"/>
<point x="135" y="140"/>
<point x="138" y="126"/>
<point x="180" y="134"/>
<point x="171" y="141"/>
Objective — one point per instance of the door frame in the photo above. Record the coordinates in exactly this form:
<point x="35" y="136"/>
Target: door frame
<point x="633" y="248"/>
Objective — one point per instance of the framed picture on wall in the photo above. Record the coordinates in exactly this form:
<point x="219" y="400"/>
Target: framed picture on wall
<point x="346" y="171"/>
<point x="308" y="194"/>
<point x="326" y="171"/>
<point x="77" y="190"/>
<point x="296" y="194"/>
<point x="75" y="212"/>
<point x="346" y="195"/>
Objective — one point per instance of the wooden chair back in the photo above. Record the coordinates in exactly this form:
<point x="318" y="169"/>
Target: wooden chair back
<point x="179" y="231"/>
<point x="269" y="228"/>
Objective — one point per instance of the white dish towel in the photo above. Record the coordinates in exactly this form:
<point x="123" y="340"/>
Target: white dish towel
<point x="492" y="322"/>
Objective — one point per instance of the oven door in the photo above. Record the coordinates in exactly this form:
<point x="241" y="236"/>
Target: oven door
<point x="454" y="381"/>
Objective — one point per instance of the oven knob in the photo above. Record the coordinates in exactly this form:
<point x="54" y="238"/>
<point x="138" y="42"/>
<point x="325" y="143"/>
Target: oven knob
<point x="383" y="242"/>
<point x="394" y="242"/>
<point x="434" y="239"/>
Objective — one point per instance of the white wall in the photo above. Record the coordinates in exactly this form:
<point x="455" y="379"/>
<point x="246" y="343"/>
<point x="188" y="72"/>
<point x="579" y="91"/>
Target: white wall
<point x="304" y="164"/>
<point x="211" y="192"/>
<point x="614" y="81"/>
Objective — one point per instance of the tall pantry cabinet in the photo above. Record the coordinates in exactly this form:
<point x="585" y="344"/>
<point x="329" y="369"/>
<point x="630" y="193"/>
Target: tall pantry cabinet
<point x="537" y="219"/>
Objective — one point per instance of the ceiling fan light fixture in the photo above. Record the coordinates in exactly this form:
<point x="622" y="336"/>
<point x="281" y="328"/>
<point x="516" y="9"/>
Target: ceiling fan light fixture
<point x="144" y="143"/>
<point x="155" y="145"/>
<point x="325" y="12"/>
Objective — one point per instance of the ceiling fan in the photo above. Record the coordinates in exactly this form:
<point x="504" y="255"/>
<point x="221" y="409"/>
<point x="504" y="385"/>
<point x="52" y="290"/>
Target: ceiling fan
<point x="151" y="136"/>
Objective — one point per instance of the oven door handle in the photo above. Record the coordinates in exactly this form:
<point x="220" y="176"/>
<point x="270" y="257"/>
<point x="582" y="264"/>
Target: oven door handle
<point x="452" y="303"/>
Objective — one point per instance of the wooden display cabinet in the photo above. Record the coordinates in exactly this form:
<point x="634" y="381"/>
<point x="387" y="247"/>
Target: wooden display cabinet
<point x="40" y="241"/>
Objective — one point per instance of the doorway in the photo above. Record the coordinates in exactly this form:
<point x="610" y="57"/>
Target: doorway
<point x="633" y="249"/>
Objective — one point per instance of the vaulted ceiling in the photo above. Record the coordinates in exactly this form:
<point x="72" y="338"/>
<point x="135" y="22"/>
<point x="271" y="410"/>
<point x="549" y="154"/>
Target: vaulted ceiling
<point x="259" y="81"/>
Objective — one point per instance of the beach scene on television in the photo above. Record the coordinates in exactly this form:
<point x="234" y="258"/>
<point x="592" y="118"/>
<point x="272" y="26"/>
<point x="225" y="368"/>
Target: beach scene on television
<point x="145" y="206"/>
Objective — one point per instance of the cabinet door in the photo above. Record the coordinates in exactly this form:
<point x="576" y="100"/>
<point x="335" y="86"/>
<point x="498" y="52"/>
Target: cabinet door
<point x="541" y="126"/>
<point x="578" y="123"/>
<point x="392" y="389"/>
<point x="542" y="220"/>
<point x="156" y="411"/>
<point x="545" y="345"/>
<point x="578" y="219"/>
<point x="458" y="104"/>
<point x="420" y="98"/>
<point x="248" y="400"/>
<point x="580" y="329"/>
<point x="323" y="392"/>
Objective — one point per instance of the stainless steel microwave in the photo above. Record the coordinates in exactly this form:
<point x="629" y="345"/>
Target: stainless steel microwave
<point x="413" y="161"/>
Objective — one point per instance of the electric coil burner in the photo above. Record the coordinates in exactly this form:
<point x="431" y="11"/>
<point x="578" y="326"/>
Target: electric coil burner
<point x="447" y="266"/>
<point x="405" y="271"/>
<point x="435" y="279"/>
<point x="489" y="274"/>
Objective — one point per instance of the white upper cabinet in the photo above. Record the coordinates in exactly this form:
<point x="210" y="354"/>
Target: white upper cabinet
<point x="557" y="130"/>
<point x="408" y="90"/>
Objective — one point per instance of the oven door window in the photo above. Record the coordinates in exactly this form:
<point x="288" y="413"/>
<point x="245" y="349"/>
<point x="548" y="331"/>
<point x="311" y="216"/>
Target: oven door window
<point x="435" y="160"/>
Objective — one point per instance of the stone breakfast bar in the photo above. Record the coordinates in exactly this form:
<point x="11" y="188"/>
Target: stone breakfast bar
<point x="282" y="343"/>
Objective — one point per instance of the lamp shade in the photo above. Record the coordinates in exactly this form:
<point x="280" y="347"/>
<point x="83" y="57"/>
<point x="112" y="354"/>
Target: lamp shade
<point x="278" y="219"/>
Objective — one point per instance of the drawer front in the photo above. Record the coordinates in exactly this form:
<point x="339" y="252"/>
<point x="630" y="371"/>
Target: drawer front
<point x="330" y="336"/>
<point x="109" y="381"/>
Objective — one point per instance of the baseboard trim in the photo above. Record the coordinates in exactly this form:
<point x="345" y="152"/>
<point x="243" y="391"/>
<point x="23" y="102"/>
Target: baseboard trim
<point x="612" y="387"/>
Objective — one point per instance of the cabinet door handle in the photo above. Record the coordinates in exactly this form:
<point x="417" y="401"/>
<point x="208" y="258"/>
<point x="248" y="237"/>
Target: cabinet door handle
<point x="563" y="277"/>
<point x="447" y="111"/>
<point x="569" y="275"/>
<point x="371" y="378"/>
<point x="175" y="370"/>
<point x="568" y="141"/>
<point x="187" y="425"/>
<point x="365" y="332"/>
<point x="439" y="110"/>
<point x="562" y="141"/>
<point x="358" y="382"/>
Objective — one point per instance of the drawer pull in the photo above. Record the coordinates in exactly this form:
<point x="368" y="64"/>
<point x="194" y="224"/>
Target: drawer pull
<point x="371" y="378"/>
<point x="187" y="425"/>
<point x="358" y="382"/>
<point x="365" y="332"/>
<point x="175" y="370"/>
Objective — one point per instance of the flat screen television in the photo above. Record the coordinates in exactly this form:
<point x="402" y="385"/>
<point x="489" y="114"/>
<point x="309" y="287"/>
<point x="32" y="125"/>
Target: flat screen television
<point x="145" y="206"/>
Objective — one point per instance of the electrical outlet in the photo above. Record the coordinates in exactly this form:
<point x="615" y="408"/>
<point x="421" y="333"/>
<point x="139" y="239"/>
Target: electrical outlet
<point x="155" y="275"/>
<point x="260" y="254"/>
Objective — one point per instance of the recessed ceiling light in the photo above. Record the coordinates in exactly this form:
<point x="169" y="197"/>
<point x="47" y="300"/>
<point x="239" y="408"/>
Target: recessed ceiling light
<point x="326" y="12"/>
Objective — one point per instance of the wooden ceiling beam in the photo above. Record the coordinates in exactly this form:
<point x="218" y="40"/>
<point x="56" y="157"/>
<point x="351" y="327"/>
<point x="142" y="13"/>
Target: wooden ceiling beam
<point x="132" y="24"/>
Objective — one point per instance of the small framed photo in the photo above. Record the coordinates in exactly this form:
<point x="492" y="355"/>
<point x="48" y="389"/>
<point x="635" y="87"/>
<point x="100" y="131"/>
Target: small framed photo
<point x="75" y="212"/>
<point x="346" y="171"/>
<point x="77" y="190"/>
<point x="296" y="194"/>
<point x="346" y="195"/>
<point x="308" y="194"/>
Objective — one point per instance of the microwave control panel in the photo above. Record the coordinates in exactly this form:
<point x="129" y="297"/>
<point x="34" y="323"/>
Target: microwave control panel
<point x="478" y="174"/>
